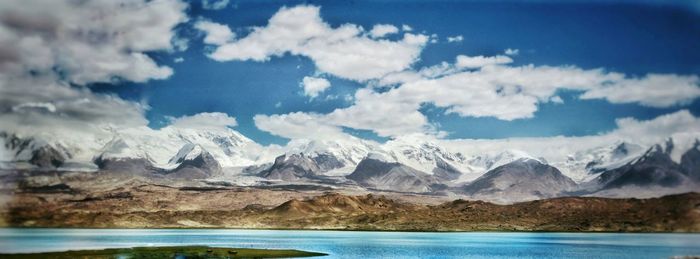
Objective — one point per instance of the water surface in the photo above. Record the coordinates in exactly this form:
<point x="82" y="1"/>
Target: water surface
<point x="347" y="244"/>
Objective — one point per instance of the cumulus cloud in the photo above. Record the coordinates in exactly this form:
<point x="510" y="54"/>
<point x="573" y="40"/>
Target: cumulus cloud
<point x="313" y="86"/>
<point x="344" y="51"/>
<point x="36" y="106"/>
<point x="653" y="90"/>
<point x="88" y="41"/>
<point x="512" y="52"/>
<point x="51" y="52"/>
<point x="375" y="111"/>
<point x="556" y="99"/>
<point x="458" y="38"/>
<point x="474" y="86"/>
<point x="214" y="4"/>
<point x="381" y="30"/>
<point x="298" y="125"/>
<point x="655" y="130"/>
<point x="205" y="120"/>
<point x="480" y="87"/>
<point x="216" y="34"/>
<point x="481" y="61"/>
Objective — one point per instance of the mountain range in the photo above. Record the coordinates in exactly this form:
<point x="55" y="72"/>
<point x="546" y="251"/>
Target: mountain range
<point x="405" y="165"/>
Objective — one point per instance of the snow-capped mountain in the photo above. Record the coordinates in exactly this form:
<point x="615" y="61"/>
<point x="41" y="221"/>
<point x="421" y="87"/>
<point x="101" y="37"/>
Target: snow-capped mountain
<point x="379" y="172"/>
<point x="655" y="172"/>
<point x="156" y="147"/>
<point x="487" y="162"/>
<point x="407" y="164"/>
<point x="33" y="151"/>
<point x="690" y="161"/>
<point x="520" y="180"/>
<point x="193" y="162"/>
<point x="295" y="167"/>
<point x="585" y="165"/>
<point x="428" y="157"/>
<point x="227" y="146"/>
<point x="337" y="157"/>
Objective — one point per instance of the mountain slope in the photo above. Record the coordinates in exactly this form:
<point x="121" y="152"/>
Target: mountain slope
<point x="520" y="180"/>
<point x="193" y="162"/>
<point x="34" y="151"/>
<point x="587" y="164"/>
<point x="294" y="167"/>
<point x="334" y="203"/>
<point x="377" y="173"/>
<point x="654" y="168"/>
<point x="419" y="153"/>
<point x="690" y="162"/>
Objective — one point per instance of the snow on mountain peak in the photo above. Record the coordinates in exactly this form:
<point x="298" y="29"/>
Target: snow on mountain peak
<point x="491" y="161"/>
<point x="350" y="151"/>
<point x="188" y="152"/>
<point x="380" y="157"/>
<point x="586" y="164"/>
<point x="424" y="154"/>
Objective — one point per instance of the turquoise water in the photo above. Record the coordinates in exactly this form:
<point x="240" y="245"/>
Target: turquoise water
<point x="345" y="244"/>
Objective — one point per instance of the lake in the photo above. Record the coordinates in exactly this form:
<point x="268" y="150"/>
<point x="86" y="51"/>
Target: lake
<point x="347" y="244"/>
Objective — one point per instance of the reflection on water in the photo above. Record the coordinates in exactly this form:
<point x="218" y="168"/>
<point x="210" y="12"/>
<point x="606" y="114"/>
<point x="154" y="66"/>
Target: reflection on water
<point x="344" y="244"/>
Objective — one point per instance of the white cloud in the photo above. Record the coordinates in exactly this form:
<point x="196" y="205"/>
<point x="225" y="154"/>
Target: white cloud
<point x="297" y="125"/>
<point x="480" y="87"/>
<point x="49" y="107"/>
<point x="205" y="120"/>
<point x="381" y="30"/>
<point x="216" y="34"/>
<point x="214" y="4"/>
<point x="653" y="90"/>
<point x="34" y="106"/>
<point x="179" y="60"/>
<point x="458" y="38"/>
<point x="386" y="115"/>
<point x="512" y="52"/>
<point x="343" y="51"/>
<point x="481" y="61"/>
<point x="88" y="41"/>
<point x="313" y="86"/>
<point x="433" y="38"/>
<point x="49" y="52"/>
<point x="406" y="27"/>
<point x="556" y="99"/>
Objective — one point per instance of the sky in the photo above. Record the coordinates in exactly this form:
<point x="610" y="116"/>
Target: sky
<point x="276" y="70"/>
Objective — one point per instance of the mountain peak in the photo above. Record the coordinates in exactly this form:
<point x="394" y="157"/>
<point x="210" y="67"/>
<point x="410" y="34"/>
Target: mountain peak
<point x="192" y="162"/>
<point x="188" y="152"/>
<point x="520" y="180"/>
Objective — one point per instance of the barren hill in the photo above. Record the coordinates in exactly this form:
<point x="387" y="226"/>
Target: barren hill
<point x="161" y="206"/>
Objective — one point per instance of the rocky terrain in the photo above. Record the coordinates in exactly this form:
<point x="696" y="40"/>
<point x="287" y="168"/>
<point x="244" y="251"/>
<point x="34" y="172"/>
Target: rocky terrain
<point x="141" y="205"/>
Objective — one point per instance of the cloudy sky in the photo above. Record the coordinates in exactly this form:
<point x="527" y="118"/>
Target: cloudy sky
<point x="326" y="69"/>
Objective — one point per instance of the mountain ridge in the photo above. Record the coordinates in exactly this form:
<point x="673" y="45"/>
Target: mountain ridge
<point x="409" y="165"/>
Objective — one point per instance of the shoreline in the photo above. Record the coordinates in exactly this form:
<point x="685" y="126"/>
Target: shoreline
<point x="357" y="230"/>
<point x="170" y="251"/>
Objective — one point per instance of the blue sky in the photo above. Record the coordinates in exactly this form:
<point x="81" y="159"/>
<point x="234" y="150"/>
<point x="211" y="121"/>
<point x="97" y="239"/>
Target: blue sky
<point x="633" y="39"/>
